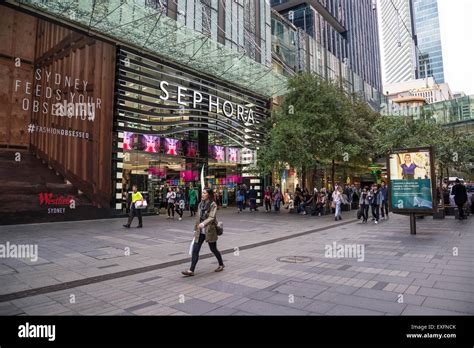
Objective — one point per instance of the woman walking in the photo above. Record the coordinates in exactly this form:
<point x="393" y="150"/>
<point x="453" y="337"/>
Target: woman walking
<point x="364" y="204"/>
<point x="337" y="199"/>
<point x="180" y="204"/>
<point x="267" y="197"/>
<point x="171" y="199"/>
<point x="205" y="230"/>
<point x="192" y="200"/>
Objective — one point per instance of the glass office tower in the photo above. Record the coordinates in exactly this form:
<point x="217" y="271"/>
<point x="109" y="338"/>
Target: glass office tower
<point x="430" y="55"/>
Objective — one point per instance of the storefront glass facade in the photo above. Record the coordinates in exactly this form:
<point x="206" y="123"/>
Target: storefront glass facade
<point x="170" y="122"/>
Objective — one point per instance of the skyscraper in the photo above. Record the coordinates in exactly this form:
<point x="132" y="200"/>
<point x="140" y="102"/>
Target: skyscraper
<point x="430" y="55"/>
<point x="399" y="56"/>
<point x="346" y="28"/>
<point x="411" y="41"/>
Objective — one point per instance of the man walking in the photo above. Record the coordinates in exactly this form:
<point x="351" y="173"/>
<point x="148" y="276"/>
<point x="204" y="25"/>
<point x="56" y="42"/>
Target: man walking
<point x="131" y="200"/>
<point x="460" y="197"/>
<point x="384" y="203"/>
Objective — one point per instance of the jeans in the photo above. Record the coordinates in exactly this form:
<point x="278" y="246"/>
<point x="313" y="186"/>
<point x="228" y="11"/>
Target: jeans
<point x="365" y="211"/>
<point x="170" y="209"/>
<point x="132" y="214"/>
<point x="277" y="205"/>
<point x="375" y="211"/>
<point x="253" y="204"/>
<point x="301" y="208"/>
<point x="384" y="207"/>
<point x="338" y="209"/>
<point x="197" y="247"/>
<point x="240" y="204"/>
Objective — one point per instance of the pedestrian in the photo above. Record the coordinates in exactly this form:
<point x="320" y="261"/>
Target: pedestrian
<point x="171" y="199"/>
<point x="239" y="199"/>
<point x="225" y="197"/>
<point x="253" y="198"/>
<point x="460" y="197"/>
<point x="364" y="204"/>
<point x="277" y="198"/>
<point x="205" y="230"/>
<point x="244" y="192"/>
<point x="192" y="200"/>
<point x="337" y="202"/>
<point x="267" y="197"/>
<point x="374" y="200"/>
<point x="131" y="200"/>
<point x="180" y="203"/>
<point x="384" y="204"/>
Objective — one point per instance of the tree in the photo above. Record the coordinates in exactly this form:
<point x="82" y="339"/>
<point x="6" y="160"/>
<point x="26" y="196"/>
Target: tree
<point x="451" y="149"/>
<point x="317" y="124"/>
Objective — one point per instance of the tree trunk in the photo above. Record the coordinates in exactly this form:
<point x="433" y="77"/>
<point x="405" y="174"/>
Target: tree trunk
<point x="441" y="185"/>
<point x="303" y="177"/>
<point x="333" y="170"/>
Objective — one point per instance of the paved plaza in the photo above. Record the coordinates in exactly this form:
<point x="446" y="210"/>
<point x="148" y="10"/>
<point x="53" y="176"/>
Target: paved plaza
<point x="281" y="264"/>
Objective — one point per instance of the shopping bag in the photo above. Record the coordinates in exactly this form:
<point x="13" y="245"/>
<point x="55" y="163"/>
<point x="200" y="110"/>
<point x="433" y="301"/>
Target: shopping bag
<point x="141" y="204"/>
<point x="191" y="247"/>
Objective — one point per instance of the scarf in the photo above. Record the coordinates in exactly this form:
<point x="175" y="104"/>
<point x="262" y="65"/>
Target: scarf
<point x="204" y="207"/>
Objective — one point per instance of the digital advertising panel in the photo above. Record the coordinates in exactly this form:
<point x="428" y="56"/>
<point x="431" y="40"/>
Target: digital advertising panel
<point x="412" y="180"/>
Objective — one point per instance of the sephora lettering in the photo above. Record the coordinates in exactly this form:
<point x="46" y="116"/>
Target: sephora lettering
<point x="193" y="99"/>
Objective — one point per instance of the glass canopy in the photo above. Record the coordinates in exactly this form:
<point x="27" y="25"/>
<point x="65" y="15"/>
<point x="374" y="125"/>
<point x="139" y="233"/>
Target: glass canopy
<point x="149" y="29"/>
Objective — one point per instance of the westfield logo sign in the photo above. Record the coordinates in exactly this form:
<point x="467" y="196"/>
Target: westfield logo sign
<point x="50" y="199"/>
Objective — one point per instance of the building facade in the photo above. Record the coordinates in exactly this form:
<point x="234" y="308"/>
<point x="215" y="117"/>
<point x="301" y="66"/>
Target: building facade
<point x="426" y="88"/>
<point x="98" y="97"/>
<point x="399" y="53"/>
<point x="430" y="54"/>
<point x="346" y="29"/>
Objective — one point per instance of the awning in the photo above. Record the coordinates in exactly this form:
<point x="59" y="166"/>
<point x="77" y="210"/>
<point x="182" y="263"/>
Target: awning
<point x="149" y="29"/>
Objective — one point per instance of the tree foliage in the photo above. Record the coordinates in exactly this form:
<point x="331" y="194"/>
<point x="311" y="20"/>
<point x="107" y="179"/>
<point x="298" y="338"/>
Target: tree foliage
<point x="318" y="123"/>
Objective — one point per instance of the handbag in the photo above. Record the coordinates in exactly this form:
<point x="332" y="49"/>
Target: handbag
<point x="220" y="228"/>
<point x="141" y="204"/>
<point x="333" y="205"/>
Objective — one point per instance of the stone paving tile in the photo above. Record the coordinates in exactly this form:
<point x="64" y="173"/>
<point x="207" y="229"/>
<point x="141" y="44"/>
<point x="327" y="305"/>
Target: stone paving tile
<point x="195" y="307"/>
<point x="265" y="308"/>
<point x="447" y="294"/>
<point x="419" y="310"/>
<point x="450" y="305"/>
<point x="348" y="310"/>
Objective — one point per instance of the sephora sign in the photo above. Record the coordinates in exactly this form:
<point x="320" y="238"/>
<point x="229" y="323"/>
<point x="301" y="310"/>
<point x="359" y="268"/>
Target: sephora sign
<point x="214" y="104"/>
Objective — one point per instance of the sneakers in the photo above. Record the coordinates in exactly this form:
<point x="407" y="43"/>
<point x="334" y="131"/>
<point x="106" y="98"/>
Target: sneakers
<point x="180" y="219"/>
<point x="219" y="269"/>
<point x="126" y="226"/>
<point x="187" y="273"/>
<point x="169" y="217"/>
<point x="376" y="222"/>
<point x="140" y="226"/>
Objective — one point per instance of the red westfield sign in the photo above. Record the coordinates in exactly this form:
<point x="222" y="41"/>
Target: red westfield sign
<point x="48" y="199"/>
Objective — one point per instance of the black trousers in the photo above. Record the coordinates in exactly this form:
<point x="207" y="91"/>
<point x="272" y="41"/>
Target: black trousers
<point x="170" y="209"/>
<point x="461" y="210"/>
<point x="375" y="211"/>
<point x="192" y="209"/>
<point x="132" y="214"/>
<point x="268" y="205"/>
<point x="384" y="208"/>
<point x="197" y="247"/>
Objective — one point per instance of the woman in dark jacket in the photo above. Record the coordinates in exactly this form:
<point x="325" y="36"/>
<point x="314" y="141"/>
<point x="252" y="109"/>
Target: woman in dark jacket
<point x="205" y="229"/>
